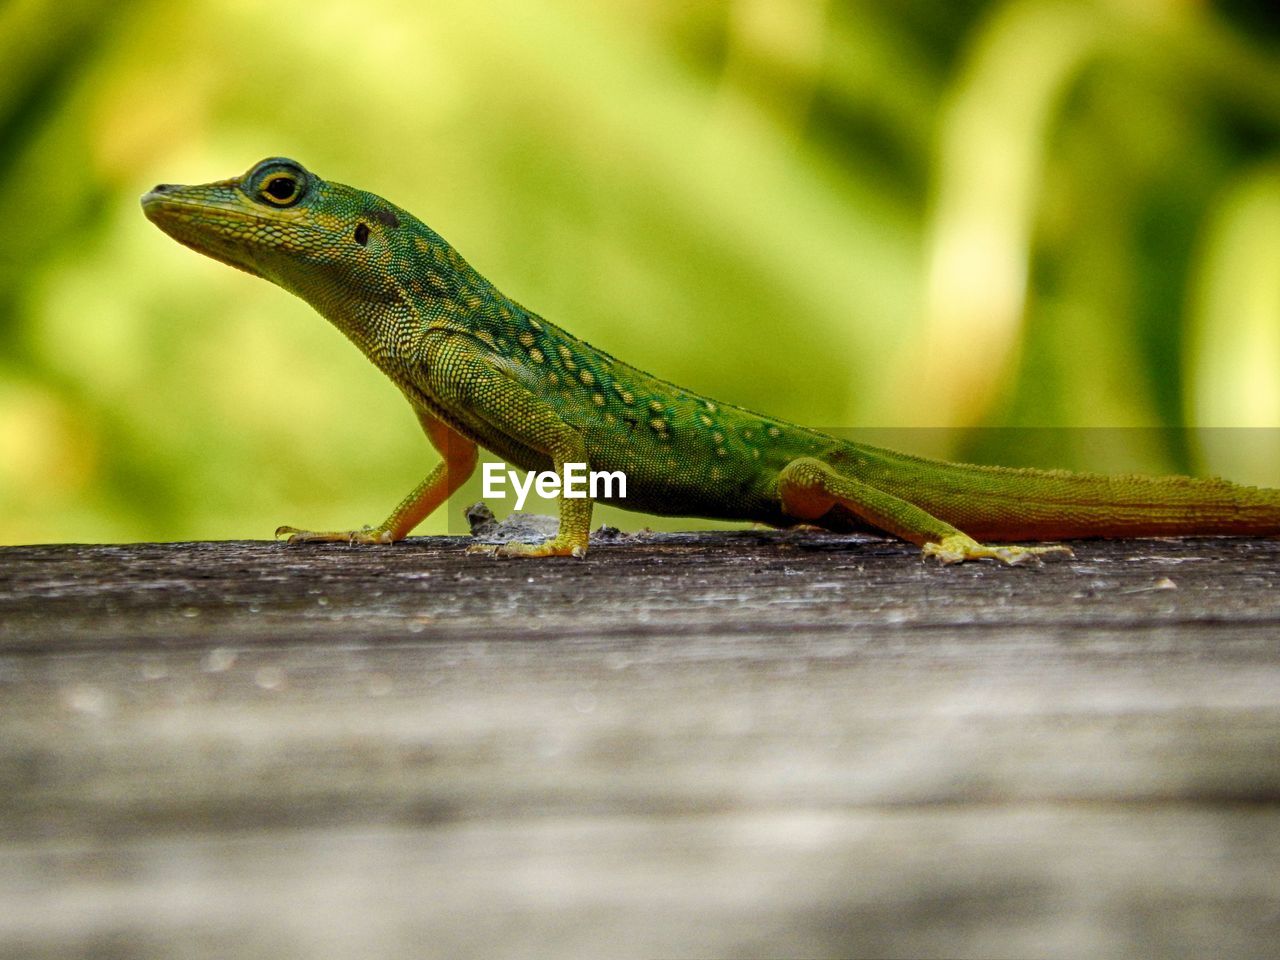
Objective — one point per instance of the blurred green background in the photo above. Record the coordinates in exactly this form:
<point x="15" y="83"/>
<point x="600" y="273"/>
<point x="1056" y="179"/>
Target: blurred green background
<point x="896" y="214"/>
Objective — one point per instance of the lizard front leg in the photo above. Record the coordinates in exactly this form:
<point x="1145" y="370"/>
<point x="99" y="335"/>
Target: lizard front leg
<point x="570" y="539"/>
<point x="488" y="388"/>
<point x="544" y="429"/>
<point x="808" y="488"/>
<point x="538" y="426"/>
<point x="459" y="461"/>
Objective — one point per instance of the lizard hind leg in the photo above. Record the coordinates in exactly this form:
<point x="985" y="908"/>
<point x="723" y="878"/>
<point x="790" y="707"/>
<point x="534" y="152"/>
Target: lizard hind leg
<point x="808" y="488"/>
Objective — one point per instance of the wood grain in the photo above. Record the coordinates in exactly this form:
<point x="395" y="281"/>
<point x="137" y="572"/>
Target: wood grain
<point x="718" y="744"/>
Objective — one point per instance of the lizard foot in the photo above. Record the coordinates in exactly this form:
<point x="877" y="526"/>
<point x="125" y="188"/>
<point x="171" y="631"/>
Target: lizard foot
<point x="957" y="548"/>
<point x="363" y="535"/>
<point x="554" y="547"/>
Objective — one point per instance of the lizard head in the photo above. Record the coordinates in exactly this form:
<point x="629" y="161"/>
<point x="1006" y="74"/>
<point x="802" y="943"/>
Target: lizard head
<point x="339" y="248"/>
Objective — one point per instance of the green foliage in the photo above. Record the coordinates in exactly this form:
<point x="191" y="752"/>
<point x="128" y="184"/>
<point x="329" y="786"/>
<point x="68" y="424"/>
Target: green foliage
<point x="1036" y="213"/>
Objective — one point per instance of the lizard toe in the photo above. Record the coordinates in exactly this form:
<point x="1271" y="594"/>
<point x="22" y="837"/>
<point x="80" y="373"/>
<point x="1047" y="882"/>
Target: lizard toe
<point x="367" y="535"/>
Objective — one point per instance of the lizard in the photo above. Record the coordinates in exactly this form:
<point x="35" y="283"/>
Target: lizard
<point x="480" y="370"/>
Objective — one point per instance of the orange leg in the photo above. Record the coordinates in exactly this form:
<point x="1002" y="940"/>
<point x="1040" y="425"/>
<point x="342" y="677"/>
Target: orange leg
<point x="808" y="488"/>
<point x="459" y="461"/>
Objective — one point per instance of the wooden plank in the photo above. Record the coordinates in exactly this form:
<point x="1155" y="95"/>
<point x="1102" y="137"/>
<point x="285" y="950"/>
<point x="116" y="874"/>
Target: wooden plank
<point x="746" y="744"/>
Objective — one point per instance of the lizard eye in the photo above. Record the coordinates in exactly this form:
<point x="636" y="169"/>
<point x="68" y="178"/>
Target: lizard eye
<point x="277" y="182"/>
<point x="282" y="190"/>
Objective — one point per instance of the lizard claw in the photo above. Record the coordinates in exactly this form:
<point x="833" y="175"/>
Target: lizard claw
<point x="958" y="547"/>
<point x="554" y="547"/>
<point x="363" y="535"/>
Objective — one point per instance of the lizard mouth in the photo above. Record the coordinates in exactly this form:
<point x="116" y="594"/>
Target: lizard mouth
<point x="218" y="232"/>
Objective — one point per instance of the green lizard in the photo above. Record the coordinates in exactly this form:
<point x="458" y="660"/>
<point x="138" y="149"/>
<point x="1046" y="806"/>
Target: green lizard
<point x="481" y="370"/>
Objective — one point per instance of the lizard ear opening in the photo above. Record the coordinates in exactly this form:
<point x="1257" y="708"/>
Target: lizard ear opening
<point x="362" y="234"/>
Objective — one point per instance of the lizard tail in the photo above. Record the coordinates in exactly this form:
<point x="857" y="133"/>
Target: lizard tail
<point x="1007" y="504"/>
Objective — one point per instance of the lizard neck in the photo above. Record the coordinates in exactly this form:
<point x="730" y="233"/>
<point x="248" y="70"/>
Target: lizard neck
<point x="422" y="284"/>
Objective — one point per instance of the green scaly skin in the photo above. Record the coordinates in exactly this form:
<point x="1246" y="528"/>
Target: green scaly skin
<point x="479" y="369"/>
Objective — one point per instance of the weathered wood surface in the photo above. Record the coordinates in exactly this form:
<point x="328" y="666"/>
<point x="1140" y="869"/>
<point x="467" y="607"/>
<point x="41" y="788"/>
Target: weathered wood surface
<point x="749" y="744"/>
